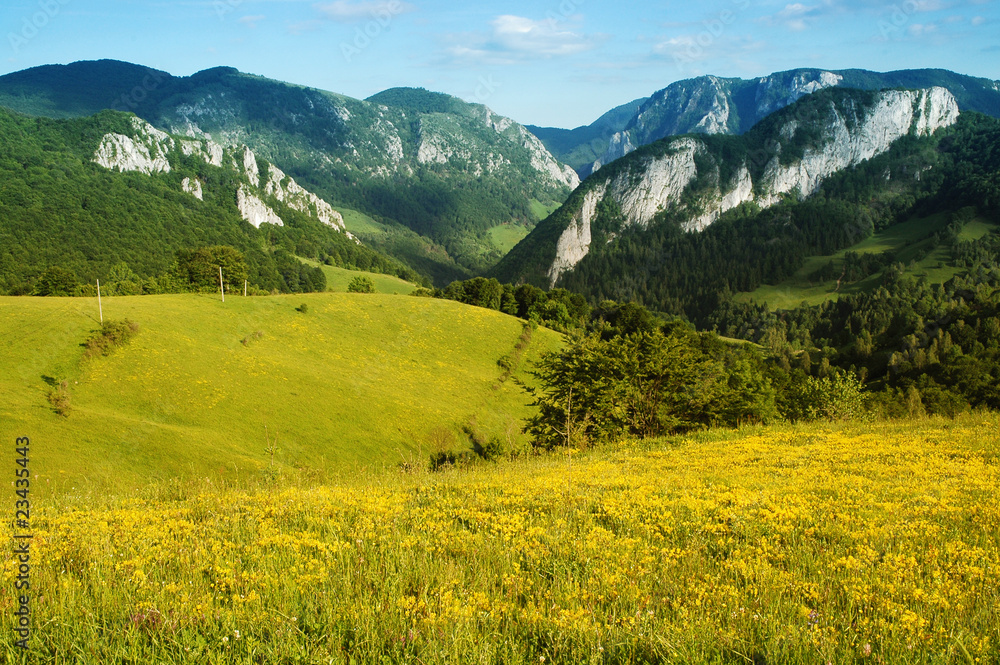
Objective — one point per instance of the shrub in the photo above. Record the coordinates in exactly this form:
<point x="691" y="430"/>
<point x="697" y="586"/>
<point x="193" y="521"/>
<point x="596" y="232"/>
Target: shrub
<point x="643" y="385"/>
<point x="252" y="337"/>
<point x="839" y="396"/>
<point x="56" y="281"/>
<point x="59" y="399"/>
<point x="111" y="335"/>
<point x="361" y="284"/>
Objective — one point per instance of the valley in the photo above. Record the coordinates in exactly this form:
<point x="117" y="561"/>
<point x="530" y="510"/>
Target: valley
<point x="310" y="378"/>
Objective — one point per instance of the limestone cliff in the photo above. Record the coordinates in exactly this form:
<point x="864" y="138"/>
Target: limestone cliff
<point x="804" y="145"/>
<point x="148" y="150"/>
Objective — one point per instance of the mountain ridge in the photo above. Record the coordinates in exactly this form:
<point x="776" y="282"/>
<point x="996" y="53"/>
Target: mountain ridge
<point x="719" y="105"/>
<point x="448" y="177"/>
<point x="696" y="178"/>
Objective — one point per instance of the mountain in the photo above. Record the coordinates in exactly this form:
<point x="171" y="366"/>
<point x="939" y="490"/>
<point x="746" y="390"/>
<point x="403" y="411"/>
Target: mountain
<point x="688" y="182"/>
<point x="417" y="162"/>
<point x="85" y="195"/>
<point x="580" y="147"/>
<point x="715" y="105"/>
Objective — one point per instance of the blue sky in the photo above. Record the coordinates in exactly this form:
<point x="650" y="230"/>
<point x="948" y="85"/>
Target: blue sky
<point x="548" y="62"/>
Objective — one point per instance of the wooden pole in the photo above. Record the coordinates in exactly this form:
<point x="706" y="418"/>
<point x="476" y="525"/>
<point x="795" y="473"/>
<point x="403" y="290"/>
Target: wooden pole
<point x="100" y="308"/>
<point x="222" y="289"/>
<point x="244" y="288"/>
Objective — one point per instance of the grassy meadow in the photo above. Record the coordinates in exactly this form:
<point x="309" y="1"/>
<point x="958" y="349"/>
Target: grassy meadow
<point x="505" y="236"/>
<point x="250" y="386"/>
<point x="863" y="543"/>
<point x="338" y="279"/>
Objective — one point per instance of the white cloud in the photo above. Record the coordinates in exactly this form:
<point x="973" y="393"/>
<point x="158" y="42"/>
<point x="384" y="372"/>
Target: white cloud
<point x="794" y="10"/>
<point x="252" y="21"/>
<point x="921" y="29"/>
<point x="978" y="20"/>
<point x="795" y="16"/>
<point x="348" y="11"/>
<point x="546" y="38"/>
<point x="512" y="39"/>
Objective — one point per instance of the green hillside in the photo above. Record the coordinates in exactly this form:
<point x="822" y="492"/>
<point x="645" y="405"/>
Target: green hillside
<point x="355" y="380"/>
<point x="60" y="209"/>
<point x="337" y="279"/>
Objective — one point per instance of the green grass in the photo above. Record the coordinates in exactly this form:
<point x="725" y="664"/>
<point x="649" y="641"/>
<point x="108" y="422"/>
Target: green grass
<point x="542" y="210"/>
<point x="908" y="241"/>
<point x="976" y="229"/>
<point x="359" y="223"/>
<point x="337" y="279"/>
<point x="505" y="236"/>
<point x="359" y="379"/>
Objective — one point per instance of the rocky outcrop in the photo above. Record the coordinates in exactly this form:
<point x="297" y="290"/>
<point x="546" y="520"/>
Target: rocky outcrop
<point x="250" y="167"/>
<point x="209" y="151"/>
<point x="286" y="190"/>
<point x="574" y="243"/>
<point x="146" y="151"/>
<point x="619" y="146"/>
<point x="776" y="92"/>
<point x="255" y="211"/>
<point x="543" y="161"/>
<point x="850" y="139"/>
<point x="700" y="105"/>
<point x="740" y="190"/>
<point x="193" y="187"/>
<point x="851" y="133"/>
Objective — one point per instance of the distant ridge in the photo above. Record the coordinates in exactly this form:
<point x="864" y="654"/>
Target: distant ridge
<point x="717" y="105"/>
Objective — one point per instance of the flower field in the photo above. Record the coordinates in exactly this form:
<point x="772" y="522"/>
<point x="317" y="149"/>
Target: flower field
<point x="823" y="544"/>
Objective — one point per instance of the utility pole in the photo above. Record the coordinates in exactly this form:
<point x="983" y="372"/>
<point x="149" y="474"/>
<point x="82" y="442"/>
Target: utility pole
<point x="222" y="289"/>
<point x="100" y="308"/>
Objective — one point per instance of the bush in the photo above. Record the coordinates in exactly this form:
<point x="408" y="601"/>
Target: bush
<point x="643" y="385"/>
<point x="361" y="284"/>
<point x="111" y="335"/>
<point x="59" y="399"/>
<point x="839" y="396"/>
<point x="56" y="281"/>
